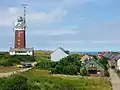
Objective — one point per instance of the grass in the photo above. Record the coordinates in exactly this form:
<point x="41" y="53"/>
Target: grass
<point x="8" y="69"/>
<point x="42" y="53"/>
<point x="40" y="58"/>
<point x="74" y="83"/>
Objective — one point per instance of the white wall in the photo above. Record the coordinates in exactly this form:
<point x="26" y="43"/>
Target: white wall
<point x="118" y="64"/>
<point x="28" y="53"/>
<point x="58" y="54"/>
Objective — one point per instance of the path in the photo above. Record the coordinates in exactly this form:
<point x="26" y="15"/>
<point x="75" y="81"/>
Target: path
<point x="115" y="79"/>
<point x="14" y="72"/>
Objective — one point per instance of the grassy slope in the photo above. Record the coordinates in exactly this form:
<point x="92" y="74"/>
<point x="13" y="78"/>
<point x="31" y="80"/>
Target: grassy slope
<point x="42" y="55"/>
<point x="8" y="69"/>
<point x="78" y="83"/>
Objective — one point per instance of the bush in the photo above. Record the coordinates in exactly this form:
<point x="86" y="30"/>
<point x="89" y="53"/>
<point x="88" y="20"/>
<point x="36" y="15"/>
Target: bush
<point x="84" y="72"/>
<point x="69" y="65"/>
<point x="7" y="60"/>
<point x="107" y="74"/>
<point x="14" y="83"/>
<point x="44" y="65"/>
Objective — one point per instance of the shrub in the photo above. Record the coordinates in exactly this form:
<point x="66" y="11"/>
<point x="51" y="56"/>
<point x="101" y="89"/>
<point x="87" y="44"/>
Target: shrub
<point x="106" y="74"/>
<point x="16" y="83"/>
<point x="68" y="65"/>
<point x="44" y="65"/>
<point x="84" y="72"/>
<point x="7" y="60"/>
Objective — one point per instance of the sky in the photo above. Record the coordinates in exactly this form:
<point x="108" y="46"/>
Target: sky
<point x="75" y="25"/>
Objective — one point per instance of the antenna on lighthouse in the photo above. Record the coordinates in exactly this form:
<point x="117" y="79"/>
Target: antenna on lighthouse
<point x="24" y="6"/>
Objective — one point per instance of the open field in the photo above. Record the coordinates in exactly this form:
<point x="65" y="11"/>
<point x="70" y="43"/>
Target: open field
<point x="58" y="82"/>
<point x="8" y="69"/>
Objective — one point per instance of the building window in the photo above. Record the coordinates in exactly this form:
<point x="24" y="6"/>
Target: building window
<point x="23" y="51"/>
<point x="17" y="51"/>
<point x="18" y="35"/>
<point x="92" y="65"/>
<point x="18" y="43"/>
<point x="20" y="51"/>
<point x="18" y="40"/>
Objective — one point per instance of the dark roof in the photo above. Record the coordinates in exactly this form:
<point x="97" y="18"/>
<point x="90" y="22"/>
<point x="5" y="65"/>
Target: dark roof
<point x="21" y="49"/>
<point x="106" y="54"/>
<point x="118" y="57"/>
<point x="67" y="52"/>
<point x="96" y="62"/>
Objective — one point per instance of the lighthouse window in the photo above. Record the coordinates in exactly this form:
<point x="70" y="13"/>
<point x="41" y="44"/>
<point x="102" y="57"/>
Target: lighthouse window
<point x="18" y="43"/>
<point x="18" y="35"/>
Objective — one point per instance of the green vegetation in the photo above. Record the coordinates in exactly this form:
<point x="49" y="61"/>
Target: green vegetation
<point x="69" y="65"/>
<point x="41" y="80"/>
<point x="14" y="83"/>
<point x="84" y="72"/>
<point x="7" y="60"/>
<point x="45" y="64"/>
<point x="36" y="79"/>
<point x="42" y="54"/>
<point x="104" y="62"/>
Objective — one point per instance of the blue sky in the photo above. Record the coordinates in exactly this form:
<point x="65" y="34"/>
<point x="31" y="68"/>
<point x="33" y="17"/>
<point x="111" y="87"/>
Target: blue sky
<point x="75" y="25"/>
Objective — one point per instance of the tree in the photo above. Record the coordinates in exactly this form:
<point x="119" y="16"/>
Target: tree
<point x="70" y="69"/>
<point x="59" y="69"/>
<point x="68" y="65"/>
<point x="104" y="62"/>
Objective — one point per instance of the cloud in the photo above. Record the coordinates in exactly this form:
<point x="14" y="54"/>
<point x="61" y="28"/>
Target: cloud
<point x="44" y="18"/>
<point x="9" y="15"/>
<point x="106" y="42"/>
<point x="70" y="42"/>
<point x="53" y="32"/>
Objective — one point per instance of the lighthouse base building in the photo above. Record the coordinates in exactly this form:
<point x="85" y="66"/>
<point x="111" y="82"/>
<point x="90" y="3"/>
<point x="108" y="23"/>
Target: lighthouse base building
<point x="22" y="51"/>
<point x="20" y="41"/>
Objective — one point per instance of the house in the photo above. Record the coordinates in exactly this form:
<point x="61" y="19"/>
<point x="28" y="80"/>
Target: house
<point x="94" y="68"/>
<point x="58" y="54"/>
<point x="86" y="58"/>
<point x="118" y="65"/>
<point x="112" y="63"/>
<point x="21" y="51"/>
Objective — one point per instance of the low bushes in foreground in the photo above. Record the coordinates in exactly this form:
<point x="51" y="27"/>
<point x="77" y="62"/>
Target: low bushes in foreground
<point x="40" y="80"/>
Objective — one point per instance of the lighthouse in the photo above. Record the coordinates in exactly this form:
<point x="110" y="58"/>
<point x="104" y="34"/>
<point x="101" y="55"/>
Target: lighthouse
<point x="19" y="29"/>
<point x="20" y="37"/>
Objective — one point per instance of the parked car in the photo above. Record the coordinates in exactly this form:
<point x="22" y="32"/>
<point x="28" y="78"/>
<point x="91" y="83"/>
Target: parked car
<point x="19" y="66"/>
<point x="27" y="65"/>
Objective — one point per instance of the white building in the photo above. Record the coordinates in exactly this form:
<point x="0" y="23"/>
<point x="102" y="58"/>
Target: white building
<point x="21" y="51"/>
<point x="58" y="54"/>
<point x="118" y="64"/>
